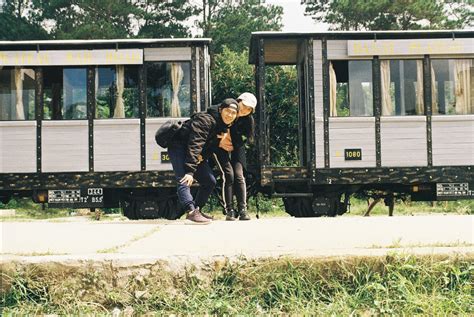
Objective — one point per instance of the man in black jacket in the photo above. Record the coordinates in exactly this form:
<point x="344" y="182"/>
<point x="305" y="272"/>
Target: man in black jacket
<point x="189" y="150"/>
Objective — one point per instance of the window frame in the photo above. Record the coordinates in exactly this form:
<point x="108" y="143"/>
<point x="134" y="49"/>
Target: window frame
<point x="96" y="87"/>
<point x="62" y="67"/>
<point x="371" y="60"/>
<point x="146" y="65"/>
<point x="400" y="58"/>
<point x="447" y="58"/>
<point x="35" y="79"/>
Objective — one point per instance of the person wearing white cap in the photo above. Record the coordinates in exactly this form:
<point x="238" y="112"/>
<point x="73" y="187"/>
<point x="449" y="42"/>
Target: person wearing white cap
<point x="231" y="158"/>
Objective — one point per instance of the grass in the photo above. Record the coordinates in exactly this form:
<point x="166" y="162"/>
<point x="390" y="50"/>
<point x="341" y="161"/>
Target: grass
<point x="268" y="208"/>
<point x="391" y="285"/>
<point x="359" y="207"/>
<point x="398" y="244"/>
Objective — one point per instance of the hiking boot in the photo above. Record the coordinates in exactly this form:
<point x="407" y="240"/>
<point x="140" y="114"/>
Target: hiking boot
<point x="207" y="216"/>
<point x="243" y="215"/>
<point x="230" y="215"/>
<point x="197" y="217"/>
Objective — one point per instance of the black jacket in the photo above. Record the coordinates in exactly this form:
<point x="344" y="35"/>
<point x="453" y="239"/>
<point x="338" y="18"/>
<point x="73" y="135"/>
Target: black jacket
<point x="238" y="132"/>
<point x="199" y="134"/>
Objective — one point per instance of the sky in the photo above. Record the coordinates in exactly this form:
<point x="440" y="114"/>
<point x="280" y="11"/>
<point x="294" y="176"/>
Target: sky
<point x="294" y="19"/>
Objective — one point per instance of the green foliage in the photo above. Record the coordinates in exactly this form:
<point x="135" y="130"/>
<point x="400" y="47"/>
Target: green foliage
<point x="391" y="14"/>
<point x="232" y="75"/>
<point x="94" y="19"/>
<point x="86" y="19"/>
<point x="15" y="26"/>
<point x="281" y="98"/>
<point x="391" y="285"/>
<point x="164" y="19"/>
<point x="359" y="207"/>
<point x="232" y="23"/>
<point x="25" y="208"/>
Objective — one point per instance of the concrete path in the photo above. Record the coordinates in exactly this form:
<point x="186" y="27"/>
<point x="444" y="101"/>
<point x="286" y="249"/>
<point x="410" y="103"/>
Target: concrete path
<point x="148" y="241"/>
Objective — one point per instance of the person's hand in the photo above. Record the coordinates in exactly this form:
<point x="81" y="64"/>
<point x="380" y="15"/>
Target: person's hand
<point x="187" y="180"/>
<point x="227" y="147"/>
<point x="226" y="142"/>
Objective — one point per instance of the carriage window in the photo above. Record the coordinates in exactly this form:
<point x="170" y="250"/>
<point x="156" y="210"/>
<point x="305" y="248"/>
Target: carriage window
<point x="17" y="93"/>
<point x="452" y="82"/>
<point x="168" y="89"/>
<point x="65" y="93"/>
<point x="402" y="87"/>
<point x="350" y="88"/>
<point x="117" y="92"/>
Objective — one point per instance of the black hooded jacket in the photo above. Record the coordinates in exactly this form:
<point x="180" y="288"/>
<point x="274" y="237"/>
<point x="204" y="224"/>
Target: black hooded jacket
<point x="199" y="134"/>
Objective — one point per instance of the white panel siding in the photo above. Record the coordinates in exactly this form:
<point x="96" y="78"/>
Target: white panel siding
<point x="117" y="145"/>
<point x="319" y="142"/>
<point x="198" y="81"/>
<point x="65" y="146"/>
<point x="403" y="141"/>
<point x="352" y="133"/>
<point x="318" y="77"/>
<point x="153" y="151"/>
<point x="18" y="147"/>
<point x="453" y="140"/>
<point x="168" y="54"/>
<point x="337" y="49"/>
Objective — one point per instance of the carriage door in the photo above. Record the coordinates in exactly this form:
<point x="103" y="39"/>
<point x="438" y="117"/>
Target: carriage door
<point x="283" y="120"/>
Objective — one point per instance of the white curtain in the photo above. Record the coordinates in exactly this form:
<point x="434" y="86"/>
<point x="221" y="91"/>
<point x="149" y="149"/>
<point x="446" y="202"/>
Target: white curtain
<point x="462" y="86"/>
<point x="332" y="91"/>
<point x="119" y="111"/>
<point x="3" y="104"/>
<point x="176" y="78"/>
<point x="20" y="113"/>
<point x="434" y="93"/>
<point x="419" y="88"/>
<point x="387" y="107"/>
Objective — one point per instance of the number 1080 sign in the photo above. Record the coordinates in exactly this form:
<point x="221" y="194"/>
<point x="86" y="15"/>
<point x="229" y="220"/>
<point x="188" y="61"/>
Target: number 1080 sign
<point x="353" y="154"/>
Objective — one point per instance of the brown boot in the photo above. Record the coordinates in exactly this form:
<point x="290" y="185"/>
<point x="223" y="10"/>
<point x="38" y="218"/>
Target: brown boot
<point x="208" y="216"/>
<point x="196" y="217"/>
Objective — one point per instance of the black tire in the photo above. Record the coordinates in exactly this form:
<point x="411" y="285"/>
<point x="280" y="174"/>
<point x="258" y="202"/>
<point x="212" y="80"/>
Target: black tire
<point x="299" y="207"/>
<point x="151" y="206"/>
<point x="128" y="208"/>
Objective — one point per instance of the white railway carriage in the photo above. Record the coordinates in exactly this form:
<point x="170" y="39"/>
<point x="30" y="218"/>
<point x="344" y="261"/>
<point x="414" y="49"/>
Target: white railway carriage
<point x="384" y="114"/>
<point x="381" y="113"/>
<point x="77" y="119"/>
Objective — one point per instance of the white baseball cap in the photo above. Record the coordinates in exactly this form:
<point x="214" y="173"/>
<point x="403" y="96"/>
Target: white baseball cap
<point x="249" y="100"/>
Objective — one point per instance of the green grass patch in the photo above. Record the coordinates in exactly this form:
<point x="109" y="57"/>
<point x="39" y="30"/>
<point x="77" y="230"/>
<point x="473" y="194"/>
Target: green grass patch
<point x="268" y="208"/>
<point x="25" y="208"/>
<point x="392" y="285"/>
<point x="462" y="207"/>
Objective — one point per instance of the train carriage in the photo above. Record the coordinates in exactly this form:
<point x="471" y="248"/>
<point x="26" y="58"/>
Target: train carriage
<point x="78" y="118"/>
<point x="382" y="114"/>
<point x="379" y="113"/>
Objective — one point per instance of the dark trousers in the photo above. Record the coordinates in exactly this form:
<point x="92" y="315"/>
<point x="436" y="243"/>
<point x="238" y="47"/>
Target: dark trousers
<point x="203" y="174"/>
<point x="233" y="180"/>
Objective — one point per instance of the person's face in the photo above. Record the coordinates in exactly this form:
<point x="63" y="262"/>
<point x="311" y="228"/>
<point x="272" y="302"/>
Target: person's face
<point x="228" y="115"/>
<point x="244" y="110"/>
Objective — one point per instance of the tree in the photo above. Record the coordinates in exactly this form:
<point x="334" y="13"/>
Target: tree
<point x="85" y="19"/>
<point x="14" y="24"/>
<point x="95" y="19"/>
<point x="230" y="23"/>
<point x="233" y="75"/>
<point x="161" y="19"/>
<point x="390" y="14"/>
